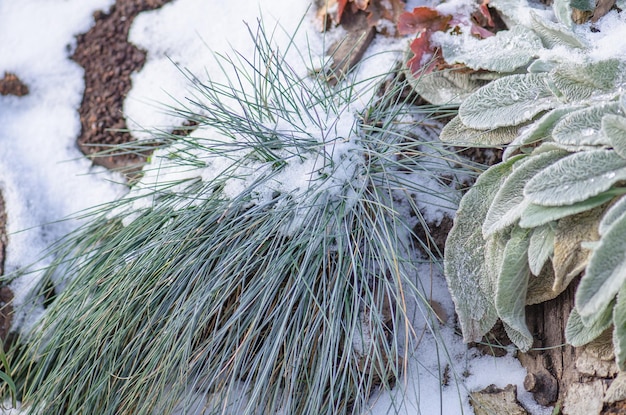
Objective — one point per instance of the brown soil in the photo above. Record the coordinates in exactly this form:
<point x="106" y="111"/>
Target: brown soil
<point x="109" y="60"/>
<point x="12" y="85"/>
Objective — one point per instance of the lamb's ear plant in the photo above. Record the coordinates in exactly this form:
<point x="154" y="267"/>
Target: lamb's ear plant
<point x="554" y="207"/>
<point x="265" y="263"/>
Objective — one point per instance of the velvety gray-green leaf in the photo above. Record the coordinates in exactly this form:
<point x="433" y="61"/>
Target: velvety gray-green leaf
<point x="494" y="256"/>
<point x="563" y="12"/>
<point x="513" y="284"/>
<point x="578" y="334"/>
<point x="619" y="331"/>
<point x="540" y="129"/>
<point x="464" y="259"/>
<point x="571" y="148"/>
<point x="615" y="212"/>
<point x="543" y="127"/>
<point x="509" y="202"/>
<point x="507" y="51"/>
<point x="520" y="339"/>
<point x="575" y="178"/>
<point x="605" y="273"/>
<point x="617" y="389"/>
<point x="507" y="101"/>
<point x="614" y="127"/>
<point x="542" y="65"/>
<point x="554" y="34"/>
<point x="445" y="87"/>
<point x="536" y="215"/>
<point x="622" y="103"/>
<point x="584" y="126"/>
<point x="585" y="5"/>
<point x="540" y="247"/>
<point x="454" y="132"/>
<point x="578" y="82"/>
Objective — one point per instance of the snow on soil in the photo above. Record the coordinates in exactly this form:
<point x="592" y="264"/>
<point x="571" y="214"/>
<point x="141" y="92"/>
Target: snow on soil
<point x="44" y="178"/>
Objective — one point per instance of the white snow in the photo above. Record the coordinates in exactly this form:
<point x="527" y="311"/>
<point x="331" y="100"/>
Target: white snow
<point x="44" y="177"/>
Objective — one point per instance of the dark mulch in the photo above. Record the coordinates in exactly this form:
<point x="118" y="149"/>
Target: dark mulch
<point x="10" y="84"/>
<point x="109" y="60"/>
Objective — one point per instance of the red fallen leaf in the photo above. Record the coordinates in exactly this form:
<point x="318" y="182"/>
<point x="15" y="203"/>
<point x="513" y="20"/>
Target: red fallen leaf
<point x="422" y="19"/>
<point x="483" y="10"/>
<point x="420" y="47"/>
<point x="385" y="10"/>
<point x="480" y="32"/>
<point x="341" y="6"/>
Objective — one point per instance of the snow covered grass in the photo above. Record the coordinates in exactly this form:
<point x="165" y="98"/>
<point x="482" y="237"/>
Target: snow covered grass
<point x="44" y="178"/>
<point x="268" y="260"/>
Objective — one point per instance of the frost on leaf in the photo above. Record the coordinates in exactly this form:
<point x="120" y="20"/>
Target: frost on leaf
<point x="578" y="334"/>
<point x="554" y="34"/>
<point x="458" y="134"/>
<point x="578" y="82"/>
<point x="563" y="12"/>
<point x="540" y="248"/>
<point x="614" y="127"/>
<point x="537" y="215"/>
<point x="540" y="129"/>
<point x="512" y="288"/>
<point x="541" y="65"/>
<point x="446" y="86"/>
<point x="494" y="255"/>
<point x="464" y="259"/>
<point x="507" y="51"/>
<point x="507" y="101"/>
<point x="570" y="257"/>
<point x="509" y="203"/>
<point x="605" y="273"/>
<point x="576" y="178"/>
<point x="584" y="126"/>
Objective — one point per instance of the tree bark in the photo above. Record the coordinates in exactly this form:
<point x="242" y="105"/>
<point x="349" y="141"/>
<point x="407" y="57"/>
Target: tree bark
<point x="572" y="379"/>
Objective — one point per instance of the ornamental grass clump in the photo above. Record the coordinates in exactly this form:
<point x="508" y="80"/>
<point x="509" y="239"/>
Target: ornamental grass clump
<point x="264" y="263"/>
<point x="553" y="208"/>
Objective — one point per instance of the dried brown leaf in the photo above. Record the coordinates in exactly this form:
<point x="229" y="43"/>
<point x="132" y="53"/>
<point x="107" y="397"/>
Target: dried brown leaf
<point x="570" y="258"/>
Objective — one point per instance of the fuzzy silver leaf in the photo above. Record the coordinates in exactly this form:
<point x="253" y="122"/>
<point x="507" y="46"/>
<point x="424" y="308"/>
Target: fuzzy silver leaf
<point x="456" y="133"/>
<point x="578" y="334"/>
<point x="513" y="285"/>
<point x="614" y="127"/>
<point x="554" y="34"/>
<point x="584" y="126"/>
<point x="605" y="273"/>
<point x="464" y="260"/>
<point x="540" y="247"/>
<point x="537" y="215"/>
<point x="576" y="178"/>
<point x="578" y="82"/>
<point x="509" y="203"/>
<point x="614" y="213"/>
<point x="619" y="331"/>
<point x="507" y="101"/>
<point x="507" y="51"/>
